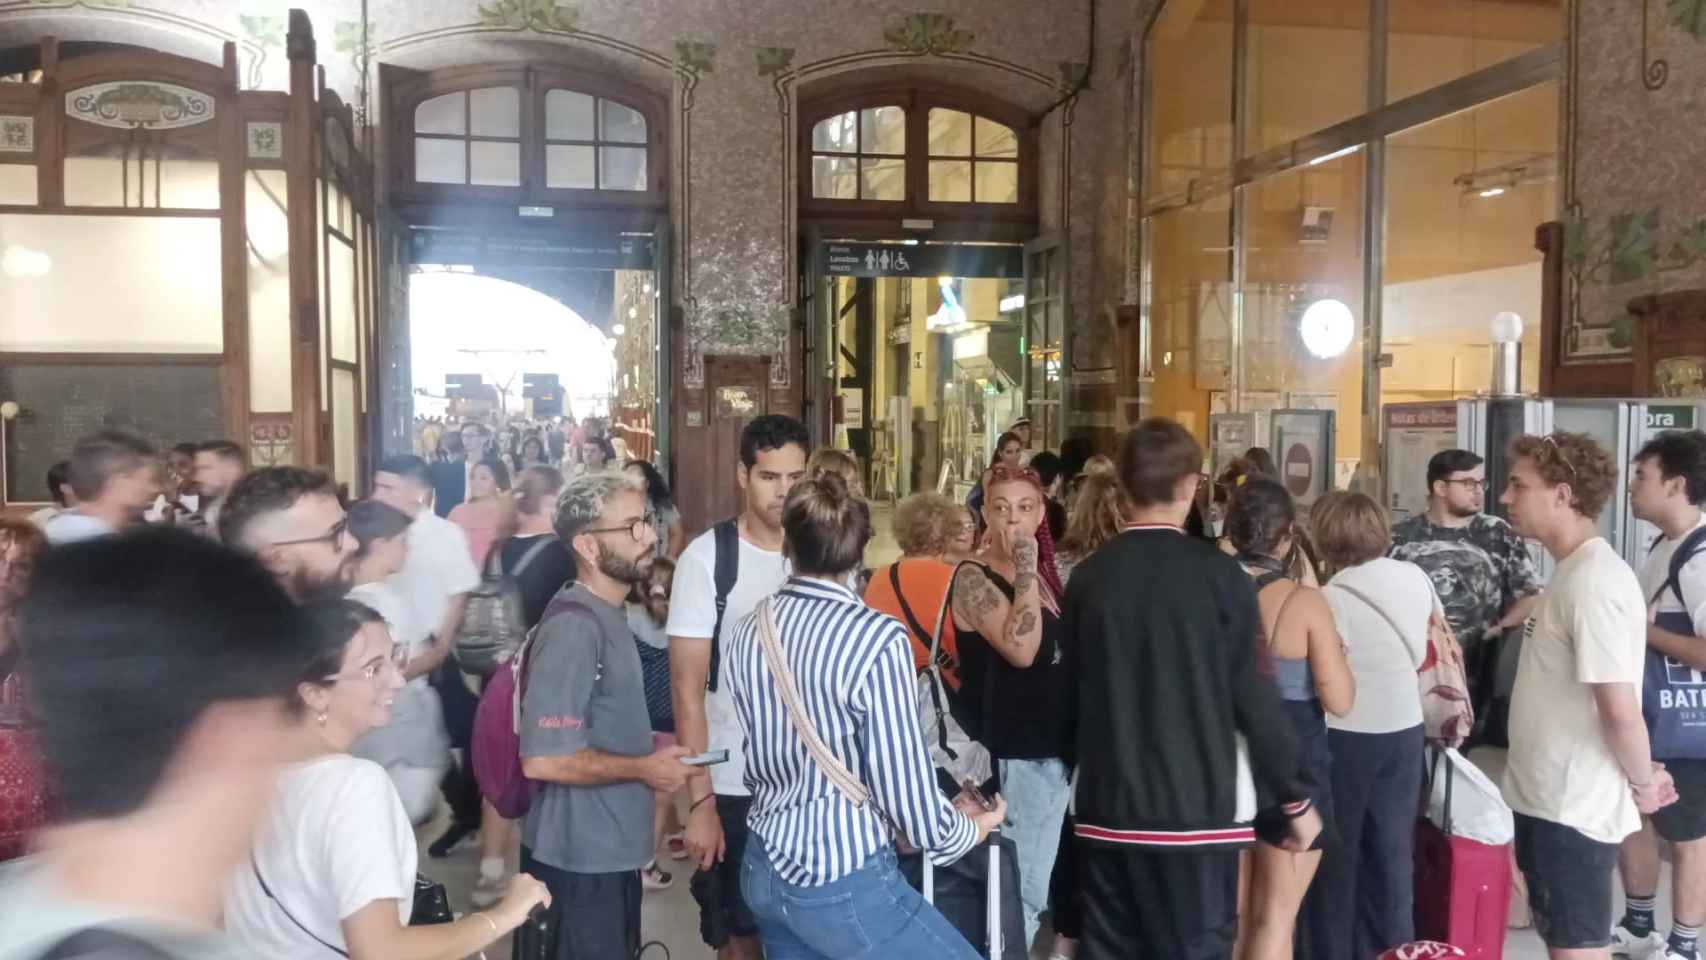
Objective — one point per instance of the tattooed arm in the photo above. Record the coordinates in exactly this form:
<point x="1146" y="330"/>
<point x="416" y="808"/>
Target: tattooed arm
<point x="1014" y="629"/>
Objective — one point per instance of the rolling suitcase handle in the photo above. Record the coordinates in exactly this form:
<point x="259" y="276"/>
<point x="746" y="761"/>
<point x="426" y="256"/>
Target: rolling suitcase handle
<point x="992" y="902"/>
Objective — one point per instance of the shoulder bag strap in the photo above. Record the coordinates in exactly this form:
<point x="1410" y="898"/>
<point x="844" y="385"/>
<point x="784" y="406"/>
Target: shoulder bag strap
<point x="931" y="667"/>
<point x="287" y="914"/>
<point x="1685" y="551"/>
<point x="1426" y="658"/>
<point x="777" y="661"/>
<point x="527" y="558"/>
<point x="725" y="571"/>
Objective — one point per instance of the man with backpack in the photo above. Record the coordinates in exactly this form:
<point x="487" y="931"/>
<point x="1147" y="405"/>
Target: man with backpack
<point x="586" y="738"/>
<point x="719" y="578"/>
<point x="1668" y="487"/>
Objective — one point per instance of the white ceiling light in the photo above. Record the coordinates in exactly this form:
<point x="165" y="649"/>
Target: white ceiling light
<point x="618" y="329"/>
<point x="1327" y="328"/>
<point x="1492" y="192"/>
<point x="1010" y="304"/>
<point x="1336" y="154"/>
<point x="1507" y="327"/>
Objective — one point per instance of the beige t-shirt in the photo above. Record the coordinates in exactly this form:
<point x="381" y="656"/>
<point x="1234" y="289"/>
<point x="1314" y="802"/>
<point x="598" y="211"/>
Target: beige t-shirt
<point x="1590" y="627"/>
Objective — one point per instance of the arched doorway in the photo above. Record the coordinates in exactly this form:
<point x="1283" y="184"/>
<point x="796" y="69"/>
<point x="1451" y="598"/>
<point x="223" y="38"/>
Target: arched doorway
<point x="539" y="177"/>
<point x="919" y="226"/>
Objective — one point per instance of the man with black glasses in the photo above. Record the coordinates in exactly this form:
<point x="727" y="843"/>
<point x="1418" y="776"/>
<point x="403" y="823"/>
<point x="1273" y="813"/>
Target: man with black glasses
<point x="290" y="519"/>
<point x="1479" y="566"/>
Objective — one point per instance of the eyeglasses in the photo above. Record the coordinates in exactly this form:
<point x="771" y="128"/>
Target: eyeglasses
<point x="1559" y="451"/>
<point x="636" y="528"/>
<point x="330" y="537"/>
<point x="397" y="660"/>
<point x="1471" y="483"/>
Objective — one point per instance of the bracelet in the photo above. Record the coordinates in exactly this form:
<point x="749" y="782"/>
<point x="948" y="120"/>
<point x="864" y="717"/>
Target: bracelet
<point x="695" y="804"/>
<point x="483" y="915"/>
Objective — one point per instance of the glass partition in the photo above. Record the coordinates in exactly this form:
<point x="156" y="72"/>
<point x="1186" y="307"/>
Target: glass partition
<point x="18" y="184"/>
<point x="268" y="227"/>
<point x="115" y="284"/>
<point x="1430" y="42"/>
<point x="1189" y="298"/>
<point x="1308" y="69"/>
<point x="1190" y="132"/>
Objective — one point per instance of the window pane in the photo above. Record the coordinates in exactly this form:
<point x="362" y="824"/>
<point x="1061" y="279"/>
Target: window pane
<point x="836" y="134"/>
<point x="620" y="124"/>
<point x="495" y="164"/>
<point x="1190" y="50"/>
<point x="346" y="433"/>
<point x="190" y="184"/>
<point x="1190" y="299"/>
<point x="950" y="133"/>
<point x="622" y="168"/>
<point x="440" y="161"/>
<point x="882" y="179"/>
<point x="1308" y="69"/>
<point x="997" y="182"/>
<point x="1432" y="41"/>
<point x="835" y="178"/>
<point x="18" y="183"/>
<point x="995" y="140"/>
<point x="441" y="115"/>
<point x="1455" y="258"/>
<point x="569" y="168"/>
<point x="340" y="276"/>
<point x="268" y="250"/>
<point x="159" y="288"/>
<point x="568" y="115"/>
<point x="950" y="180"/>
<point x="495" y="112"/>
<point x="882" y="130"/>
<point x="95" y="182"/>
<point x="1303" y="245"/>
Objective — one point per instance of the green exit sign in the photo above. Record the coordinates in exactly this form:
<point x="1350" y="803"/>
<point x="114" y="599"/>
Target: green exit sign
<point x="1670" y="417"/>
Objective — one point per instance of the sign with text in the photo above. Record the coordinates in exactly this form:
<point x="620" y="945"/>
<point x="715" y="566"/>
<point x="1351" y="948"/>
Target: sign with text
<point x="1670" y="417"/>
<point x="532" y="250"/>
<point x="922" y="260"/>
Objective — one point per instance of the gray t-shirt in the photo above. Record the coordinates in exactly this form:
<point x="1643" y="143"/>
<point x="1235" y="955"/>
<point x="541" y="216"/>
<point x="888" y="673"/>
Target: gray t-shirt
<point x="585" y="690"/>
<point x="35" y="916"/>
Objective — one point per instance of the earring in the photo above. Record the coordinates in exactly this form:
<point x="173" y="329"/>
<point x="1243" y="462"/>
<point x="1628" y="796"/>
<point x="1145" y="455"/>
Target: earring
<point x="321" y="718"/>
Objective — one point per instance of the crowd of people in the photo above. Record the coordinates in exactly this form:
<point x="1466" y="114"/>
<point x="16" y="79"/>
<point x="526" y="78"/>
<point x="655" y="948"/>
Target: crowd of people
<point x="1185" y="705"/>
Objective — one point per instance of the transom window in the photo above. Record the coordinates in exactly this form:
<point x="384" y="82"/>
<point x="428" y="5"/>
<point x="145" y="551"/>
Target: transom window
<point x="862" y="155"/>
<point x="972" y="159"/>
<point x="534" y="132"/>
<point x="592" y="143"/>
<point x="470" y="137"/>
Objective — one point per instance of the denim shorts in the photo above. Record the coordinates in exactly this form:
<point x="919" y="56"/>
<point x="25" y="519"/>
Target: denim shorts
<point x="1569" y="883"/>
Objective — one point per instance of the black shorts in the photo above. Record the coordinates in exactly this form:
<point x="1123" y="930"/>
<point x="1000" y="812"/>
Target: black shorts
<point x="1685" y="819"/>
<point x="723" y="912"/>
<point x="1569" y="883"/>
<point x="1135" y="901"/>
<point x="593" y="916"/>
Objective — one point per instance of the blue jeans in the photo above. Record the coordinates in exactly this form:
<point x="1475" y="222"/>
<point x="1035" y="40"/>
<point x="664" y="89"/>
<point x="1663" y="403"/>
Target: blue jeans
<point x="871" y="912"/>
<point x="1037" y="792"/>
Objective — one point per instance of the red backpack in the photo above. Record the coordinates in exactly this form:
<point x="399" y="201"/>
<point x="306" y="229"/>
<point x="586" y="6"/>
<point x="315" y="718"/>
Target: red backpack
<point x="497" y="722"/>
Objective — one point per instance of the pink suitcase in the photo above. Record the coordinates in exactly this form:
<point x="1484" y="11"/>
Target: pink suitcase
<point x="1463" y="888"/>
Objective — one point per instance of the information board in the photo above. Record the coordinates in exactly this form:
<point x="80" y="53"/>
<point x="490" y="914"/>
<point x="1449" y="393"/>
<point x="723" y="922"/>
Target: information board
<point x="1414" y="433"/>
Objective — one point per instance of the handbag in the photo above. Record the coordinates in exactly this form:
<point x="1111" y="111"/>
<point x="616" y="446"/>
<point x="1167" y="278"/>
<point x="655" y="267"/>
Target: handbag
<point x="25" y="803"/>
<point x="432" y="903"/>
<point x="952" y="750"/>
<point x="1442" y="681"/>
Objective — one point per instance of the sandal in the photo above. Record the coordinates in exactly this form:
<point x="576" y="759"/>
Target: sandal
<point x="653" y="878"/>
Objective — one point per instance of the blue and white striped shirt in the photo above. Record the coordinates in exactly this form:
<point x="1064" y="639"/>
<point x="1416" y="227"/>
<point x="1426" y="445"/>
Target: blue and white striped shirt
<point x="854" y="670"/>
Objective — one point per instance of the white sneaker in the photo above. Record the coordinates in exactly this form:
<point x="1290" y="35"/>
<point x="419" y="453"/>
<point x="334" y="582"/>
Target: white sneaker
<point x="1626" y="944"/>
<point x="1670" y="954"/>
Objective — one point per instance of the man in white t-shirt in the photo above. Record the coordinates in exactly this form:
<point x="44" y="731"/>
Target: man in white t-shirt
<point x="1580" y="771"/>
<point x="436" y="578"/>
<point x="115" y="476"/>
<point x="1668" y="487"/>
<point x="773" y="452"/>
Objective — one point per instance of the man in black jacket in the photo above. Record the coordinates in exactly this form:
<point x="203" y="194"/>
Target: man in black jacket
<point x="1163" y="658"/>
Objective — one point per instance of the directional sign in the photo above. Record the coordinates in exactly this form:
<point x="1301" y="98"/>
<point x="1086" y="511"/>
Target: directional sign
<point x="547" y="249"/>
<point x="463" y="385"/>
<point x="922" y="260"/>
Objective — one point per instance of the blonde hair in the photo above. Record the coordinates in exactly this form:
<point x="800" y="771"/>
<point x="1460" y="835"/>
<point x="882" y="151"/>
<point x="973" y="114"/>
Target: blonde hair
<point x="825" y="527"/>
<point x="827" y="460"/>
<point x="924" y="523"/>
<point x="1097" y="516"/>
<point x="1100" y="464"/>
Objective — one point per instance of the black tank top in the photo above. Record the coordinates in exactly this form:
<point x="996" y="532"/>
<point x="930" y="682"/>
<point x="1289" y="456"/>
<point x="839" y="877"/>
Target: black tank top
<point x="1015" y="712"/>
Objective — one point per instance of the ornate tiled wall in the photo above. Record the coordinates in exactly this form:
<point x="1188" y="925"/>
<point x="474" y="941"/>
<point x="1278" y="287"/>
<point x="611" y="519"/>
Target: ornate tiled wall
<point x="733" y="71"/>
<point x="1636" y="179"/>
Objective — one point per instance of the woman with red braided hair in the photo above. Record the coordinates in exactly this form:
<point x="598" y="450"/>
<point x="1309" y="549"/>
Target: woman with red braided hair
<point x="1006" y="606"/>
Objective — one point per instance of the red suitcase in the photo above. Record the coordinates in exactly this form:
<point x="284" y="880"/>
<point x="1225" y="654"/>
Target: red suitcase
<point x="1463" y="887"/>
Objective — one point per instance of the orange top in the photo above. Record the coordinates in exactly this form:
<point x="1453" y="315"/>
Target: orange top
<point x="925" y="583"/>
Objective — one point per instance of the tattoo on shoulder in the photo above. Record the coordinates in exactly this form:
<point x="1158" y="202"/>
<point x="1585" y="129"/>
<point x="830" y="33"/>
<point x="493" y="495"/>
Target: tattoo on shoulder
<point x="974" y="595"/>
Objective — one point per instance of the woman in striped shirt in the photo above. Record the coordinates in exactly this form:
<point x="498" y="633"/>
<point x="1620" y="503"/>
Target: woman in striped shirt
<point x="820" y="873"/>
